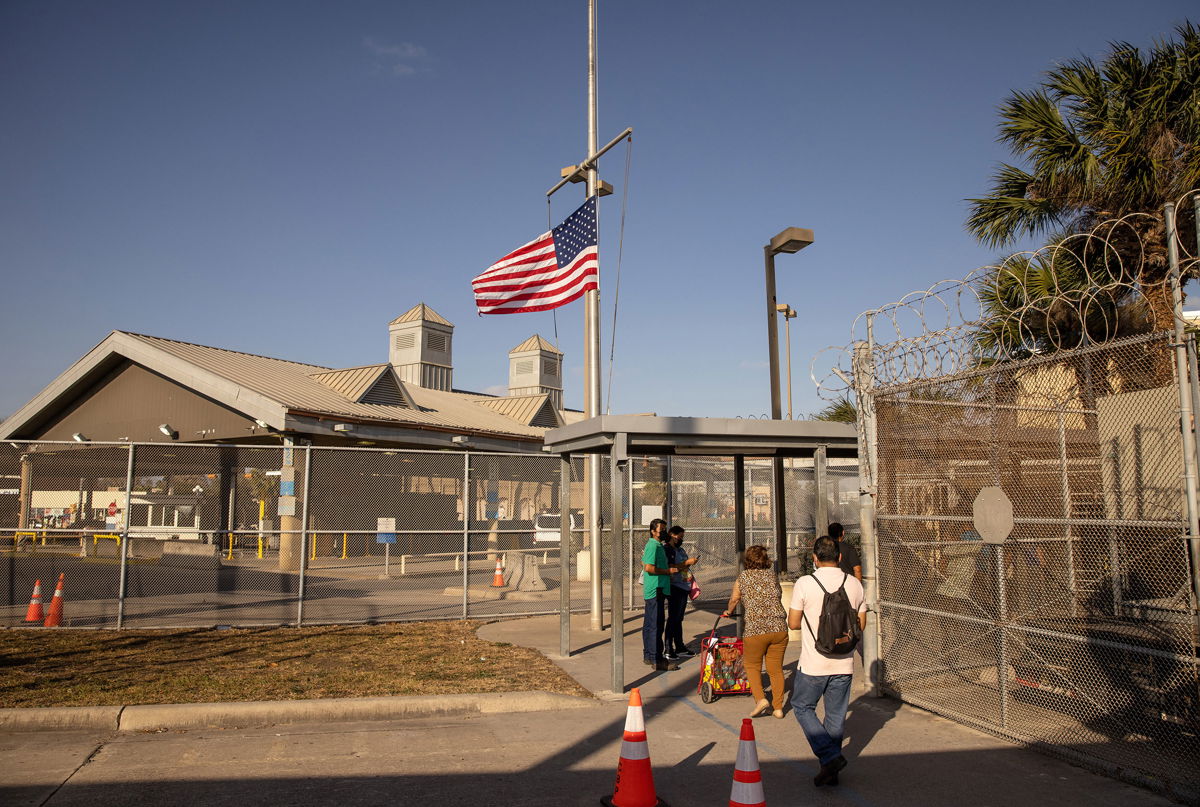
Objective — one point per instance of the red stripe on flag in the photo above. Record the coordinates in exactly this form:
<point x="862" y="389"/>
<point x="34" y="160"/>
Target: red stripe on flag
<point x="569" y="285"/>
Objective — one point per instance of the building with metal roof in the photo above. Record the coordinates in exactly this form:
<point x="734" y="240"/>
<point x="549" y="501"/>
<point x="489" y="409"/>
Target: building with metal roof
<point x="146" y="388"/>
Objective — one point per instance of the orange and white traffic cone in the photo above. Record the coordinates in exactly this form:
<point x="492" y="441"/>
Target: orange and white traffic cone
<point x="747" y="778"/>
<point x="635" y="779"/>
<point x="55" y="615"/>
<point x="498" y="577"/>
<point x="34" y="614"/>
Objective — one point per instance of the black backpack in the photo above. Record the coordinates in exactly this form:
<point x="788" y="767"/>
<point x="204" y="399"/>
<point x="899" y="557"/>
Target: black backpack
<point x="838" y="630"/>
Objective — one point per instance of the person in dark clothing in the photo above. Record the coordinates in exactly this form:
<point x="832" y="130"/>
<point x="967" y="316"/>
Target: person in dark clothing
<point x="656" y="587"/>
<point x="850" y="562"/>
<point x="681" y="587"/>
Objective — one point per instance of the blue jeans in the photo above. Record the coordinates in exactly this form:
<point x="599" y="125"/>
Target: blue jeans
<point x="825" y="738"/>
<point x="677" y="602"/>
<point x="653" y="622"/>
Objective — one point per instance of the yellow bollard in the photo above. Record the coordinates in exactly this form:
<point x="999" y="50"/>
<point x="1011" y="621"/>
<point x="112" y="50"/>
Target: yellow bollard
<point x="313" y="555"/>
<point x="345" y="537"/>
<point x="230" y="555"/>
<point x="260" y="546"/>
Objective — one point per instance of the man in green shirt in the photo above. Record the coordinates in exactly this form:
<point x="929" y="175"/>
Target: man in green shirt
<point x="656" y="588"/>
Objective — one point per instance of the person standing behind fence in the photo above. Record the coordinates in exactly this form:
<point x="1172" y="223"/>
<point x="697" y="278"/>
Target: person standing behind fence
<point x="850" y="562"/>
<point x="764" y="635"/>
<point x="656" y="586"/>
<point x="822" y="675"/>
<point x="681" y="587"/>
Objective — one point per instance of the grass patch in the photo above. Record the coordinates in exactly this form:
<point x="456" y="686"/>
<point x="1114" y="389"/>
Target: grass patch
<point x="108" y="668"/>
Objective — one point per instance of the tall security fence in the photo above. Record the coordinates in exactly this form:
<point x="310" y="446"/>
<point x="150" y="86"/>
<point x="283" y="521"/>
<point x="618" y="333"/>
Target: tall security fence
<point x="1032" y="457"/>
<point x="160" y="535"/>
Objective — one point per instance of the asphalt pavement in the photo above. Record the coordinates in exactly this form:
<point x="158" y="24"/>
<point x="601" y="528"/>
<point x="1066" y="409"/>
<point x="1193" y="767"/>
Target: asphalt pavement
<point x="561" y="753"/>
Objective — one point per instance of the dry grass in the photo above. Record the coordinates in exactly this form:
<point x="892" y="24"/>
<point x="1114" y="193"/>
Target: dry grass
<point x="105" y="668"/>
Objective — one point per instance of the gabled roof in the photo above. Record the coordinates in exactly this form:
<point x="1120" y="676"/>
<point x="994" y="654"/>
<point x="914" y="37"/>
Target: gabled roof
<point x="275" y="390"/>
<point x="369" y="384"/>
<point x="535" y="342"/>
<point x="527" y="409"/>
<point x="421" y="312"/>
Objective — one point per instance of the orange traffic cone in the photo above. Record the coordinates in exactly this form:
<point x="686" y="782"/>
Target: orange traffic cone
<point x="34" y="614"/>
<point x="747" y="779"/>
<point x="635" y="779"/>
<point x="498" y="577"/>
<point x="55" y="615"/>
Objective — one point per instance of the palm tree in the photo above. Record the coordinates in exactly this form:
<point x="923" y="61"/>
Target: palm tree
<point x="842" y="410"/>
<point x="1102" y="141"/>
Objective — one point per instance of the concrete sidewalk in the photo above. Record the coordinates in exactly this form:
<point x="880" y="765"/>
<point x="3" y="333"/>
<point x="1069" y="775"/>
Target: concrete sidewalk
<point x="899" y="756"/>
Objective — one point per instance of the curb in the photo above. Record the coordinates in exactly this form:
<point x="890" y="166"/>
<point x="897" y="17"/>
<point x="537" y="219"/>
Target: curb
<point x="265" y="713"/>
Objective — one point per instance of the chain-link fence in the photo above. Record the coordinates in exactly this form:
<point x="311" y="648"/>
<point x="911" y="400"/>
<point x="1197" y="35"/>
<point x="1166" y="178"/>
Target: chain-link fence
<point x="1080" y="627"/>
<point x="185" y="535"/>
<point x="1059" y="384"/>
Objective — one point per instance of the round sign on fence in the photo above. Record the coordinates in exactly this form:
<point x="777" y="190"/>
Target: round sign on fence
<point x="993" y="515"/>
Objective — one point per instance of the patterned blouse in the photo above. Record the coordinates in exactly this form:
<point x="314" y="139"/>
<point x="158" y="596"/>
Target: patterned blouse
<point x="761" y="603"/>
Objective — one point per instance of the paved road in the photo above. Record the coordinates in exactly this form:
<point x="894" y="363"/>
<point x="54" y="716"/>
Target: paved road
<point x="248" y="591"/>
<point x="899" y="756"/>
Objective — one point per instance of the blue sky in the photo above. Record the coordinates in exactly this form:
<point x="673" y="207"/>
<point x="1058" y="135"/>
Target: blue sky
<point x="285" y="177"/>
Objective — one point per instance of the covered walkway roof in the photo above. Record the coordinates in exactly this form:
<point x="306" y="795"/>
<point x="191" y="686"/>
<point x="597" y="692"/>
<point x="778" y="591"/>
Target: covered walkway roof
<point x="622" y="436"/>
<point x="715" y="437"/>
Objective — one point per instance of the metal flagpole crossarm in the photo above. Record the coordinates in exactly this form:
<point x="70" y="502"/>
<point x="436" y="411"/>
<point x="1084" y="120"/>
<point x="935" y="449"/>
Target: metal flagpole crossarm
<point x="580" y="171"/>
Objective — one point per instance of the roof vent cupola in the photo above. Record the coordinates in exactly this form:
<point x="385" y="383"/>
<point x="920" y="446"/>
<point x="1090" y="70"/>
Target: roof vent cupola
<point x="535" y="368"/>
<point x="419" y="348"/>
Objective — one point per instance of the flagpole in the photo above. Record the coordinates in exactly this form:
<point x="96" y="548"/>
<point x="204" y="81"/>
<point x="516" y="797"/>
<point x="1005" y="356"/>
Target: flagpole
<point x="591" y="327"/>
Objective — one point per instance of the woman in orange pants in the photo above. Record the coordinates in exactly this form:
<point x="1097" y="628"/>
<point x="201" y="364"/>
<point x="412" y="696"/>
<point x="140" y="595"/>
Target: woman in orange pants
<point x="764" y="635"/>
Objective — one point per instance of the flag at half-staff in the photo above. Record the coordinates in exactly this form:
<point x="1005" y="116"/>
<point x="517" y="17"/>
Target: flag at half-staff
<point x="551" y="270"/>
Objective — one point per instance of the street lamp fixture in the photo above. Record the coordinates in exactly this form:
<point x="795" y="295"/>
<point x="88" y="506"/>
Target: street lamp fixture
<point x="166" y="429"/>
<point x="793" y="239"/>
<point x="789" y="241"/>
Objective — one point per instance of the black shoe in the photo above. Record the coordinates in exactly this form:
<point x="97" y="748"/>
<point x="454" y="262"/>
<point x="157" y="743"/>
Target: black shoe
<point x="666" y="665"/>
<point x="670" y="657"/>
<point x="684" y="653"/>
<point x="829" y="772"/>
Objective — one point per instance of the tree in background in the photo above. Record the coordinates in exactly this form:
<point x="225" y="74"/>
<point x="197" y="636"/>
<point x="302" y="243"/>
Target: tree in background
<point x="1101" y="141"/>
<point x="840" y="411"/>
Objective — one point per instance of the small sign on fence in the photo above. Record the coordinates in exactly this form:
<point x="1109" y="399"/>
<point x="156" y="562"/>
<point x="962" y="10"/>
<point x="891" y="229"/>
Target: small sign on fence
<point x="385" y="530"/>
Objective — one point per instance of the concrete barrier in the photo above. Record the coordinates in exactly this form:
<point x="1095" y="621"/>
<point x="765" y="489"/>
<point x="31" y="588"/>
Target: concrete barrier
<point x="190" y="554"/>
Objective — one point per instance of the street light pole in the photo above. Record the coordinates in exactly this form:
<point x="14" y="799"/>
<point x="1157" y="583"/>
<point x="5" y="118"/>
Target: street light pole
<point x="791" y="240"/>
<point x="789" y="314"/>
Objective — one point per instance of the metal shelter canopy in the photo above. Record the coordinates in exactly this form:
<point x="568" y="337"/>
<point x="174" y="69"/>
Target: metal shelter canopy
<point x="641" y="435"/>
<point x="713" y="437"/>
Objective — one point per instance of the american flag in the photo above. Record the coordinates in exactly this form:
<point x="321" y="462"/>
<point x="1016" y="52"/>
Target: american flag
<point x="552" y="270"/>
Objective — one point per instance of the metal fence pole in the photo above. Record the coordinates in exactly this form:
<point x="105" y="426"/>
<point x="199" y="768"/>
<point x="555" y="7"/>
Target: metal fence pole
<point x="466" y="529"/>
<point x="564" y="556"/>
<point x="617" y="564"/>
<point x="125" y="541"/>
<point x="739" y="525"/>
<point x="1065" y="484"/>
<point x="592" y="477"/>
<point x="629" y="528"/>
<point x="304" y="535"/>
<point x="1002" y="632"/>
<point x="820" y="490"/>
<point x="864" y="386"/>
<point x="1185" y="401"/>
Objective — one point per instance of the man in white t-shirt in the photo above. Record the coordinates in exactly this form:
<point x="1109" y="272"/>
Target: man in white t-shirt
<point x="820" y="675"/>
